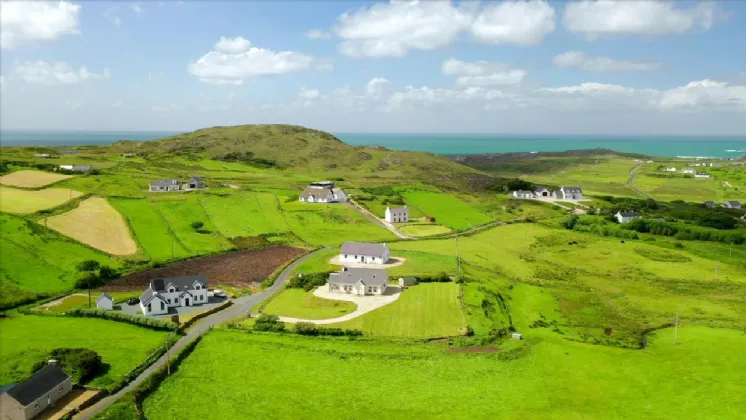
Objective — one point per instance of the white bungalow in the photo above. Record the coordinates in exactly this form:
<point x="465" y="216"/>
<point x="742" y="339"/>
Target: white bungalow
<point x="364" y="253"/>
<point x="523" y="194"/>
<point x="105" y="301"/>
<point x="359" y="281"/>
<point x="568" y="193"/>
<point x="689" y="171"/>
<point x="163" y="294"/>
<point x="671" y="169"/>
<point x="702" y="175"/>
<point x="627" y="216"/>
<point x="397" y="214"/>
<point x="322" y="192"/>
<point x="542" y="192"/>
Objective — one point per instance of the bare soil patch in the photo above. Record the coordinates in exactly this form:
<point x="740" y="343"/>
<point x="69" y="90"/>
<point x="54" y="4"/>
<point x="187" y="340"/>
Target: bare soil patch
<point x="458" y="350"/>
<point x="236" y="269"/>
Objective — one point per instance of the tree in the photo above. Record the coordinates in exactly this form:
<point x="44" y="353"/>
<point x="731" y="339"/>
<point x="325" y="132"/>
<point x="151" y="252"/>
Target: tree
<point x="197" y="225"/>
<point x="570" y="222"/>
<point x="81" y="363"/>
<point x="88" y="280"/>
<point x="107" y="273"/>
<point x="88" y="265"/>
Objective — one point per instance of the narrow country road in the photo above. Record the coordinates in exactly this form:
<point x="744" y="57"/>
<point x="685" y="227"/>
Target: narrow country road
<point x="631" y="180"/>
<point x="238" y="309"/>
<point x="375" y="220"/>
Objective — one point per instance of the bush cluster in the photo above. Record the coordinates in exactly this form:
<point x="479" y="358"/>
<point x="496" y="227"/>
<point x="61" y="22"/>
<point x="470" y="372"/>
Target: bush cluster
<point x="685" y="232"/>
<point x="309" y="281"/>
<point x="92" y="274"/>
<point x="155" y="324"/>
<point x="267" y="322"/>
<point x="308" y="328"/>
<point x="441" y="277"/>
<point x="80" y="363"/>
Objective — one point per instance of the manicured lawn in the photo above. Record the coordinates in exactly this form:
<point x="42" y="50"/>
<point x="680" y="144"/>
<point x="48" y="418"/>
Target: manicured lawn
<point x="180" y="212"/>
<point x="150" y="229"/>
<point x="298" y="303"/>
<point x="26" y="339"/>
<point x="447" y="209"/>
<point x="70" y="302"/>
<point x="537" y="379"/>
<point x="31" y="179"/>
<point x="13" y="200"/>
<point x="324" y="224"/>
<point x="319" y="263"/>
<point x="245" y="214"/>
<point x="425" y="311"/>
<point x="423" y="229"/>
<point x="96" y="223"/>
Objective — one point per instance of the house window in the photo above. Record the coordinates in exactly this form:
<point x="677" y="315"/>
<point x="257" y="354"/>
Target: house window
<point x="36" y="406"/>
<point x="345" y="255"/>
<point x="149" y="307"/>
<point x="198" y="287"/>
<point x="163" y="306"/>
<point x="60" y="388"/>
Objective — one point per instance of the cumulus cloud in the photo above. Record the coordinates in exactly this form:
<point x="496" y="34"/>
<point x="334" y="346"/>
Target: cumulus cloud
<point x="482" y="73"/>
<point x="235" y="60"/>
<point x="58" y="73"/>
<point x="392" y="29"/>
<point x="511" y="77"/>
<point x="704" y="93"/>
<point x="27" y="22"/>
<point x="376" y="86"/>
<point x="602" y="64"/>
<point x="318" y="34"/>
<point x="523" y="23"/>
<point x="308" y="93"/>
<point x="622" y="17"/>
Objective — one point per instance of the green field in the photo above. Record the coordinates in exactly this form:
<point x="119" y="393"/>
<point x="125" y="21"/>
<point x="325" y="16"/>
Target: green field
<point x="423" y="229"/>
<point x="425" y="311"/>
<point x="298" y="303"/>
<point x="26" y="339"/>
<point x="320" y="224"/>
<point x="13" y="200"/>
<point x="446" y="209"/>
<point x="150" y="229"/>
<point x="607" y="177"/>
<point x="180" y="212"/>
<point x="245" y="214"/>
<point x="538" y="379"/>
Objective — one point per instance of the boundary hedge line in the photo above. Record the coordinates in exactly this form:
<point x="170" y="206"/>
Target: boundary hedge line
<point x="155" y="324"/>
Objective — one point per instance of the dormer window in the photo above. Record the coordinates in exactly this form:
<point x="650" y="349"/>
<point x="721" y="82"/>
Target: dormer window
<point x="171" y="290"/>
<point x="197" y="287"/>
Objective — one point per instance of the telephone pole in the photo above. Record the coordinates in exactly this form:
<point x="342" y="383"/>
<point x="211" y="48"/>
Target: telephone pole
<point x="676" y="327"/>
<point x="458" y="261"/>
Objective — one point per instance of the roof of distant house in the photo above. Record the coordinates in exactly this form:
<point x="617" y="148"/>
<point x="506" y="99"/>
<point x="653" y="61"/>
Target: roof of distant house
<point x="37" y="385"/>
<point x="104" y="296"/>
<point x="523" y="192"/>
<point x="196" y="179"/>
<point x="82" y="168"/>
<point x="364" y="248"/>
<point x="398" y="210"/>
<point x="180" y="283"/>
<point x="369" y="276"/>
<point x="318" y="192"/>
<point x="573" y="190"/>
<point x="733" y="203"/>
<point x="164" y="183"/>
<point x="630" y="213"/>
<point x="538" y="189"/>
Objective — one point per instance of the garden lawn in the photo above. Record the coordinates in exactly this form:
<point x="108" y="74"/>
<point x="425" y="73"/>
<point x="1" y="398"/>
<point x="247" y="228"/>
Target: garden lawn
<point x="27" y="339"/>
<point x="31" y="179"/>
<point x="423" y="229"/>
<point x="298" y="303"/>
<point x="70" y="302"/>
<point x="150" y="229"/>
<point x="328" y="224"/>
<point x="180" y="212"/>
<point x="537" y="379"/>
<point x="245" y="214"/>
<point x="96" y="223"/>
<point x="423" y="311"/>
<point x="447" y="209"/>
<point x="13" y="200"/>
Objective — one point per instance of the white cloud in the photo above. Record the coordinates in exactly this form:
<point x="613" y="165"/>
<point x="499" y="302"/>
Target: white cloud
<point x="232" y="45"/>
<point x="235" y="60"/>
<point x="2" y="83"/>
<point x="609" y="17"/>
<point x="511" y="77"/>
<point x="523" y="23"/>
<point x="376" y="86"/>
<point x="482" y="73"/>
<point x="308" y="93"/>
<point x="392" y="29"/>
<point x="136" y="8"/>
<point x="222" y="82"/>
<point x="318" y="34"/>
<point x="27" y="22"/>
<point x="58" y="73"/>
<point x="454" y="67"/>
<point x="705" y="93"/>
<point x="602" y="64"/>
<point x="112" y="14"/>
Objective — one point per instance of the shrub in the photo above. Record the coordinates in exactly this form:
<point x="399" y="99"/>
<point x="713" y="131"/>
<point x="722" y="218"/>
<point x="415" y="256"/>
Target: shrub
<point x="88" y="280"/>
<point x="152" y="323"/>
<point x="309" y="281"/>
<point x="81" y="363"/>
<point x="441" y="277"/>
<point x="88" y="265"/>
<point x="268" y="322"/>
<point x="570" y="222"/>
<point x="197" y="225"/>
<point x="306" y="328"/>
<point x="107" y="273"/>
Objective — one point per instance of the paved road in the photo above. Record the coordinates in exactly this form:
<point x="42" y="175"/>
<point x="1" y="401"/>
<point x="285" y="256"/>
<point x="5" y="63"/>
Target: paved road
<point x="237" y="310"/>
<point x="631" y="180"/>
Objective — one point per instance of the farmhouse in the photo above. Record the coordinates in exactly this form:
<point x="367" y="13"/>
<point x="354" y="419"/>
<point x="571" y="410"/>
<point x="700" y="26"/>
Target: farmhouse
<point x="359" y="281"/>
<point x="568" y="193"/>
<point x="105" y="301"/>
<point x="704" y="175"/>
<point x="710" y="204"/>
<point x="195" y="183"/>
<point x="165" y="185"/>
<point x="322" y="192"/>
<point x="76" y="168"/>
<point x="523" y="194"/>
<point x="542" y="192"/>
<point x="397" y="214"/>
<point x="366" y="253"/>
<point x="732" y="205"/>
<point x="171" y="292"/>
<point x="42" y="155"/>
<point x="689" y="171"/>
<point x="627" y="216"/>
<point x="28" y="398"/>
<point x="671" y="169"/>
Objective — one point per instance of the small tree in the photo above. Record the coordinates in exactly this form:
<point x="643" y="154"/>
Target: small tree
<point x="81" y="363"/>
<point x="87" y="280"/>
<point x="269" y="323"/>
<point x="107" y="273"/>
<point x="88" y="265"/>
<point x="197" y="225"/>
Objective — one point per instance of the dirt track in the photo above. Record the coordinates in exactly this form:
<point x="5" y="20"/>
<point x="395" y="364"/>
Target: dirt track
<point x="237" y="269"/>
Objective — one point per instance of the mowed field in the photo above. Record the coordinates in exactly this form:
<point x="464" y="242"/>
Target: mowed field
<point x="537" y="379"/>
<point x="150" y="228"/>
<point x="32" y="179"/>
<point x="423" y="229"/>
<point x="447" y="209"/>
<point x="27" y="339"/>
<point x="245" y="214"/>
<point x="13" y="200"/>
<point x="298" y="303"/>
<point x="180" y="211"/>
<point x="96" y="223"/>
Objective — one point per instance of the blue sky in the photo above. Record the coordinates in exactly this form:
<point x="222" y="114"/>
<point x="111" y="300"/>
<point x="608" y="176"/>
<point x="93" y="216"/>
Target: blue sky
<point x="586" y="67"/>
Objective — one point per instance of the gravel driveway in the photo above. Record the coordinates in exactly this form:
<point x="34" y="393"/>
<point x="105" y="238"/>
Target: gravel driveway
<point x="364" y="304"/>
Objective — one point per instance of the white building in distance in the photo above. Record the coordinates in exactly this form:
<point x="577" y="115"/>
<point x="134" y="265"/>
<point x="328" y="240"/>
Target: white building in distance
<point x="397" y="214"/>
<point x="364" y="253"/>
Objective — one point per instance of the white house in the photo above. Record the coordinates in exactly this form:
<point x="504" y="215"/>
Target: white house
<point x="397" y="214"/>
<point x="568" y="193"/>
<point x="76" y="168"/>
<point x="671" y="169"/>
<point x="105" y="301"/>
<point x="30" y="397"/>
<point x="627" y="216"/>
<point x="365" y="253"/>
<point x="523" y="194"/>
<point x="42" y="155"/>
<point x="542" y="192"/>
<point x="166" y="293"/>
<point x="359" y="281"/>
<point x="689" y="171"/>
<point x="322" y="192"/>
<point x="702" y="175"/>
<point x="732" y="205"/>
<point x="160" y="185"/>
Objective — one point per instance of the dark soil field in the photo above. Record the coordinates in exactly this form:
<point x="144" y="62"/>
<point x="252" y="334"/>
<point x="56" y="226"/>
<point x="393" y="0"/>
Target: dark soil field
<point x="237" y="269"/>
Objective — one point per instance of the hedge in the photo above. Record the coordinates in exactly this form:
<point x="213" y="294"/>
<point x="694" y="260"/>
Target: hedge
<point x="155" y="324"/>
<point x="308" y="328"/>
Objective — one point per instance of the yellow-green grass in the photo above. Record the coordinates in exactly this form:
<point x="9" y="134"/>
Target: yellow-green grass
<point x="180" y="212"/>
<point x="27" y="339"/>
<point x="328" y="224"/>
<point x="70" y="302"/>
<point x="700" y="377"/>
<point x="319" y="263"/>
<point x="96" y="223"/>
<point x="423" y="229"/>
<point x="447" y="209"/>
<point x="669" y="189"/>
<point x="423" y="311"/>
<point x="608" y="177"/>
<point x="13" y="200"/>
<point x="124" y="183"/>
<point x="298" y="303"/>
<point x="245" y="214"/>
<point x="150" y="229"/>
<point x="31" y="179"/>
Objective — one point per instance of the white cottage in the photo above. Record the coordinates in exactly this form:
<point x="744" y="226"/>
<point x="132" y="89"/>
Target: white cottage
<point x="397" y="214"/>
<point x="364" y="253"/>
<point x="105" y="301"/>
<point x="523" y="194"/>
<point x="688" y="171"/>
<point x="30" y="397"/>
<point x="166" y="293"/>
<point x="702" y="175"/>
<point x="161" y="185"/>
<point x="542" y="192"/>
<point x="568" y="193"/>
<point x="359" y="281"/>
<point x="627" y="216"/>
<point x="322" y="192"/>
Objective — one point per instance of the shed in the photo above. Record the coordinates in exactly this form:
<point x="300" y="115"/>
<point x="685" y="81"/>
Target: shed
<point x="517" y="336"/>
<point x="405" y="282"/>
<point x="105" y="301"/>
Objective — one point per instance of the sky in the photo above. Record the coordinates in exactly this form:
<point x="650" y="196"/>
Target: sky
<point x="530" y="67"/>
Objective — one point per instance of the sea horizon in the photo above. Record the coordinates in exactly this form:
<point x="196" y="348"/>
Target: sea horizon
<point x="439" y="143"/>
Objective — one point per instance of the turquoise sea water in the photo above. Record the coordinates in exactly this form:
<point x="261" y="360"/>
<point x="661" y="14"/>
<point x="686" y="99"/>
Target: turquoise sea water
<point x="446" y="144"/>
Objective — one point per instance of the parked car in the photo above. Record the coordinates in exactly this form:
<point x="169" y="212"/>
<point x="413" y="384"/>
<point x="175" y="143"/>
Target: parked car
<point x="218" y="293"/>
<point x="133" y="301"/>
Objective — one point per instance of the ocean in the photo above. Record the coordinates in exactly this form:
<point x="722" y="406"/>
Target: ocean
<point x="445" y="144"/>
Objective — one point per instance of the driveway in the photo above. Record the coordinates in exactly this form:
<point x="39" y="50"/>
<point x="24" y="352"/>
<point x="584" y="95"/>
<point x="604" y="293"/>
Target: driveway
<point x="392" y="262"/>
<point x="181" y="310"/>
<point x="364" y="304"/>
<point x="375" y="219"/>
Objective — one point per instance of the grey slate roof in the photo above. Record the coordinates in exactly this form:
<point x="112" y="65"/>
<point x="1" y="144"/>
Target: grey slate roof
<point x="149" y="295"/>
<point x="82" y="168"/>
<point x="164" y="183"/>
<point x="630" y="213"/>
<point x="181" y="282"/>
<point x="323" y="184"/>
<point x="369" y="276"/>
<point x="399" y="210"/>
<point x="318" y="192"/>
<point x="572" y="190"/>
<point x="196" y="180"/>
<point x="733" y="204"/>
<point x="37" y="385"/>
<point x="104" y="296"/>
<point x="523" y="192"/>
<point x="539" y="189"/>
<point x="363" y="248"/>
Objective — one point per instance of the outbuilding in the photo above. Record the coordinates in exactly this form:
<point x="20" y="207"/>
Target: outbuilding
<point x="405" y="282"/>
<point x="105" y="301"/>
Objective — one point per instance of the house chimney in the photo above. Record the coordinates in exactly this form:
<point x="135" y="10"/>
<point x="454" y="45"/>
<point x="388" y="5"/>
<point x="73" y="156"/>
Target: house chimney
<point x="52" y="362"/>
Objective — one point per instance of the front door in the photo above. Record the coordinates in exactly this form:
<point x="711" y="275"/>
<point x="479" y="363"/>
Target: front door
<point x="362" y="259"/>
<point x="187" y="301"/>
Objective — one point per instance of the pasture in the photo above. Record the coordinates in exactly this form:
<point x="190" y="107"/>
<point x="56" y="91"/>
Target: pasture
<point x="27" y="339"/>
<point x="245" y="214"/>
<point x="604" y="177"/>
<point x="13" y="200"/>
<point x="536" y="378"/>
<point x="32" y="179"/>
<point x="298" y="303"/>
<point x="180" y="211"/>
<point x="447" y="209"/>
<point x="423" y="229"/>
<point x="150" y="229"/>
<point x="678" y="188"/>
<point x="96" y="223"/>
<point x="329" y="224"/>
